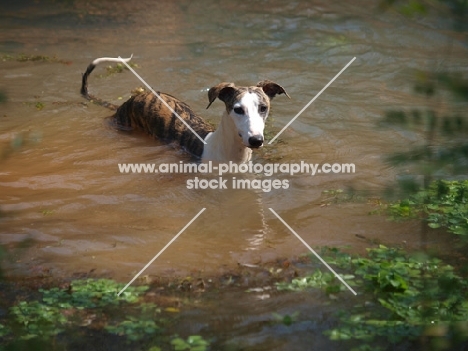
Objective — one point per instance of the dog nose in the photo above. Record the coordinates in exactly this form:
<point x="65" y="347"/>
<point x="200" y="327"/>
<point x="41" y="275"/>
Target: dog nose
<point x="256" y="141"/>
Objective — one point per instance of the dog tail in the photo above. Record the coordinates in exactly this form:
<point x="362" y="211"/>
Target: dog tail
<point x="84" y="81"/>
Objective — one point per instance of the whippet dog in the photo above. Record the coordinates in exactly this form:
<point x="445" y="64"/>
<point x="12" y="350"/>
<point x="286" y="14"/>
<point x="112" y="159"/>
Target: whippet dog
<point x="240" y="130"/>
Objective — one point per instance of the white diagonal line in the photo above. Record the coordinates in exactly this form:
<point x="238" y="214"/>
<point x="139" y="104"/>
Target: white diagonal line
<point x="311" y="101"/>
<point x="313" y="251"/>
<point x="162" y="250"/>
<point x="162" y="100"/>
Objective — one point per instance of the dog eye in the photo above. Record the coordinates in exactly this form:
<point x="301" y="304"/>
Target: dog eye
<point x="239" y="110"/>
<point x="263" y="108"/>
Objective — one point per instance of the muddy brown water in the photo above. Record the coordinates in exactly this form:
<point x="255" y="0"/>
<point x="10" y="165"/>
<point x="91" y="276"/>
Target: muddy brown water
<point x="62" y="188"/>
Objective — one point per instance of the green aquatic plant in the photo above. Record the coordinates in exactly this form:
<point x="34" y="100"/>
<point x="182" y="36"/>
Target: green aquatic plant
<point x="318" y="279"/>
<point x="92" y="293"/>
<point x="134" y="328"/>
<point x="38" y="319"/>
<point x="443" y="205"/>
<point x="61" y="308"/>
<point x="405" y="297"/>
<point x="192" y="343"/>
<point x="117" y="68"/>
<point x="286" y="319"/>
<point x="38" y="105"/>
<point x="93" y="303"/>
<point x="33" y="58"/>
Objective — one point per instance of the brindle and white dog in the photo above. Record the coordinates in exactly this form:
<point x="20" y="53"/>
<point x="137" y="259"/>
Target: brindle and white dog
<point x="240" y="130"/>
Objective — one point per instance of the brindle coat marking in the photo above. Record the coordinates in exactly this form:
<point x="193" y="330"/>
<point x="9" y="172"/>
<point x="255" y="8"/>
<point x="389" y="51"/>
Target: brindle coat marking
<point x="146" y="112"/>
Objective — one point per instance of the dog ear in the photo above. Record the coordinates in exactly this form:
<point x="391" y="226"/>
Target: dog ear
<point x="271" y="88"/>
<point x="220" y="91"/>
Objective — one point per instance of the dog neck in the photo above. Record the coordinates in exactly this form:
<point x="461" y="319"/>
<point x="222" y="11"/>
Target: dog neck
<point x="224" y="144"/>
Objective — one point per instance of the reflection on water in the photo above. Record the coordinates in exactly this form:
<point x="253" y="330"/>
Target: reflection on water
<point x="65" y="192"/>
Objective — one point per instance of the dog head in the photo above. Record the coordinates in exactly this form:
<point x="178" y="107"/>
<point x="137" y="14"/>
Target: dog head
<point x="248" y="107"/>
